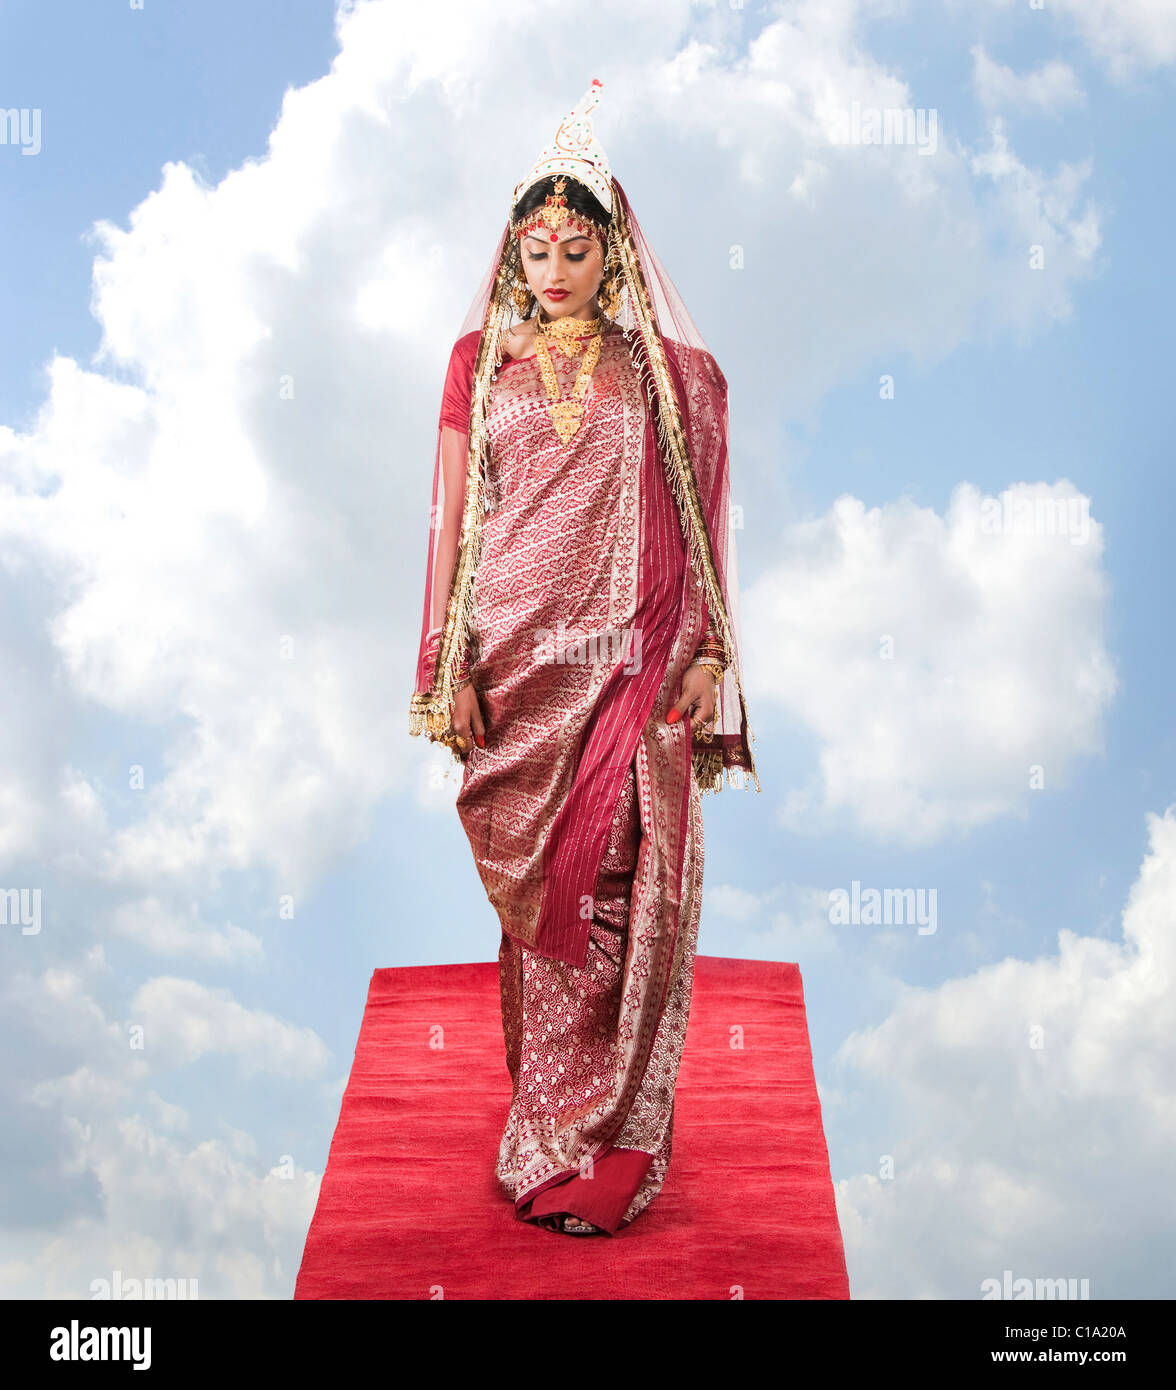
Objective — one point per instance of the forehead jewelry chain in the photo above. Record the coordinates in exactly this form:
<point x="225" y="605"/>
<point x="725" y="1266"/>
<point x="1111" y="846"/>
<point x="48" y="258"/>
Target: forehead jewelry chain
<point x="566" y="414"/>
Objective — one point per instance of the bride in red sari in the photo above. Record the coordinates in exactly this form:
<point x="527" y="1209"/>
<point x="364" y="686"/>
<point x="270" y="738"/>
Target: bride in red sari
<point x="579" y="655"/>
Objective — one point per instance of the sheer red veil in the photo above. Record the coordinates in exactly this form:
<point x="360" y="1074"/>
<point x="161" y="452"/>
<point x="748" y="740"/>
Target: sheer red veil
<point x="687" y="396"/>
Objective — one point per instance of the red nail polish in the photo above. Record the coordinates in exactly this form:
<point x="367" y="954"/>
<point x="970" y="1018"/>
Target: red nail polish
<point x="480" y="740"/>
<point x="673" y="716"/>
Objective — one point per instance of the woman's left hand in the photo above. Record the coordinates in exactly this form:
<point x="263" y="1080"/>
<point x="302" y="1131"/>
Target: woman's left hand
<point x="697" y="696"/>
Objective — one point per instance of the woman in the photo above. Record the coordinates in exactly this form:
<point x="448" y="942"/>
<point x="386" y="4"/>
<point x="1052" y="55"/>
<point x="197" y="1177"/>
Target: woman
<point x="579" y="654"/>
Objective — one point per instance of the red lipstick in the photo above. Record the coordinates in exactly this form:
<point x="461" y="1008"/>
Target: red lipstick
<point x="557" y="294"/>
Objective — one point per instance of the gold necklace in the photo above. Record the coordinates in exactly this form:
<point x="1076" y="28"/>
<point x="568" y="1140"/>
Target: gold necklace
<point x="568" y="331"/>
<point x="566" y="415"/>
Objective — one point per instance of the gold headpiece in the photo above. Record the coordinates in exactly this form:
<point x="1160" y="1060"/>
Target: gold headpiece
<point x="555" y="214"/>
<point x="555" y="209"/>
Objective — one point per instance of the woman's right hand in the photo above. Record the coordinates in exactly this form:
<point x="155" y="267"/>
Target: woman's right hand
<point x="467" y="716"/>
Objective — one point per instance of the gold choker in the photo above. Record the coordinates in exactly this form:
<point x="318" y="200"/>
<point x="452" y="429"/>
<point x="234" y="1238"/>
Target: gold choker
<point x="567" y="332"/>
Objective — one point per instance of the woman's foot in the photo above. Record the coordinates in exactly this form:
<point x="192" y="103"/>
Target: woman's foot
<point x="566" y="1222"/>
<point x="575" y="1225"/>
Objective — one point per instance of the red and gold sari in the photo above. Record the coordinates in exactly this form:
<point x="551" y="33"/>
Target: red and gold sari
<point x="576" y="582"/>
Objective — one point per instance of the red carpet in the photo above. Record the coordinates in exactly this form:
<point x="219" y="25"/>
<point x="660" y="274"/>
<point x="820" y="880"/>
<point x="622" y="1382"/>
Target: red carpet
<point x="409" y="1206"/>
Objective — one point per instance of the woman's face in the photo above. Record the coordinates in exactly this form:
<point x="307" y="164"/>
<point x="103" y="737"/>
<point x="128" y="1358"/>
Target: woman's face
<point x="564" y="275"/>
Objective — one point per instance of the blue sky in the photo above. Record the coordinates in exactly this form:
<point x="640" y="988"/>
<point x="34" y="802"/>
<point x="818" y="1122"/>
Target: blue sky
<point x="167" y="520"/>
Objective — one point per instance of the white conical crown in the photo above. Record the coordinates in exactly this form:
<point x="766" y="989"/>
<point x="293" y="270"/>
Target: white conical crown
<point x="575" y="150"/>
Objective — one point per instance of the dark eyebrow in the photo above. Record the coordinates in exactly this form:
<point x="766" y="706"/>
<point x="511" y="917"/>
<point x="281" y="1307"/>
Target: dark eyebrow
<point x="545" y="242"/>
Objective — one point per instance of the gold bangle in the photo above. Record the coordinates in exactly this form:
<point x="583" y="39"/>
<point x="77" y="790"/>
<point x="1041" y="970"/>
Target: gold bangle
<point x="714" y="667"/>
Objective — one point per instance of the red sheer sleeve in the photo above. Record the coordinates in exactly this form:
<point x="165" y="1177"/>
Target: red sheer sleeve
<point x="449" y="484"/>
<point x="455" y="398"/>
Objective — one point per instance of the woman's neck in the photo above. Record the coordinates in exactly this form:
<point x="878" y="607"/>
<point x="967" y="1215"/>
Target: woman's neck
<point x="587" y="313"/>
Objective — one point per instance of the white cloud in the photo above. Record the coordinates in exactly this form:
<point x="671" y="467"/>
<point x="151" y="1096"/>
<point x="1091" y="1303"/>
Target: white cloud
<point x="1046" y="1153"/>
<point x="184" y="1021"/>
<point x="159" y="928"/>
<point x="167" y="1212"/>
<point x="1050" y="87"/>
<point x="998" y="661"/>
<point x="1127" y="36"/>
<point x="734" y="904"/>
<point x="945" y="254"/>
<point x="1044" y="217"/>
<point x="788" y="921"/>
<point x="96" y="1177"/>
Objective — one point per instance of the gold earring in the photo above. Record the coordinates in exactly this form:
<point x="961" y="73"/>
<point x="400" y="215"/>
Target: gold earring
<point x="609" y="295"/>
<point x="521" y="294"/>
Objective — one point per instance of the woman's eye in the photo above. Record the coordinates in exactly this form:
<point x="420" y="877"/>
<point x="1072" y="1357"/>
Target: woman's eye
<point x="572" y="256"/>
<point x="536" y="255"/>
